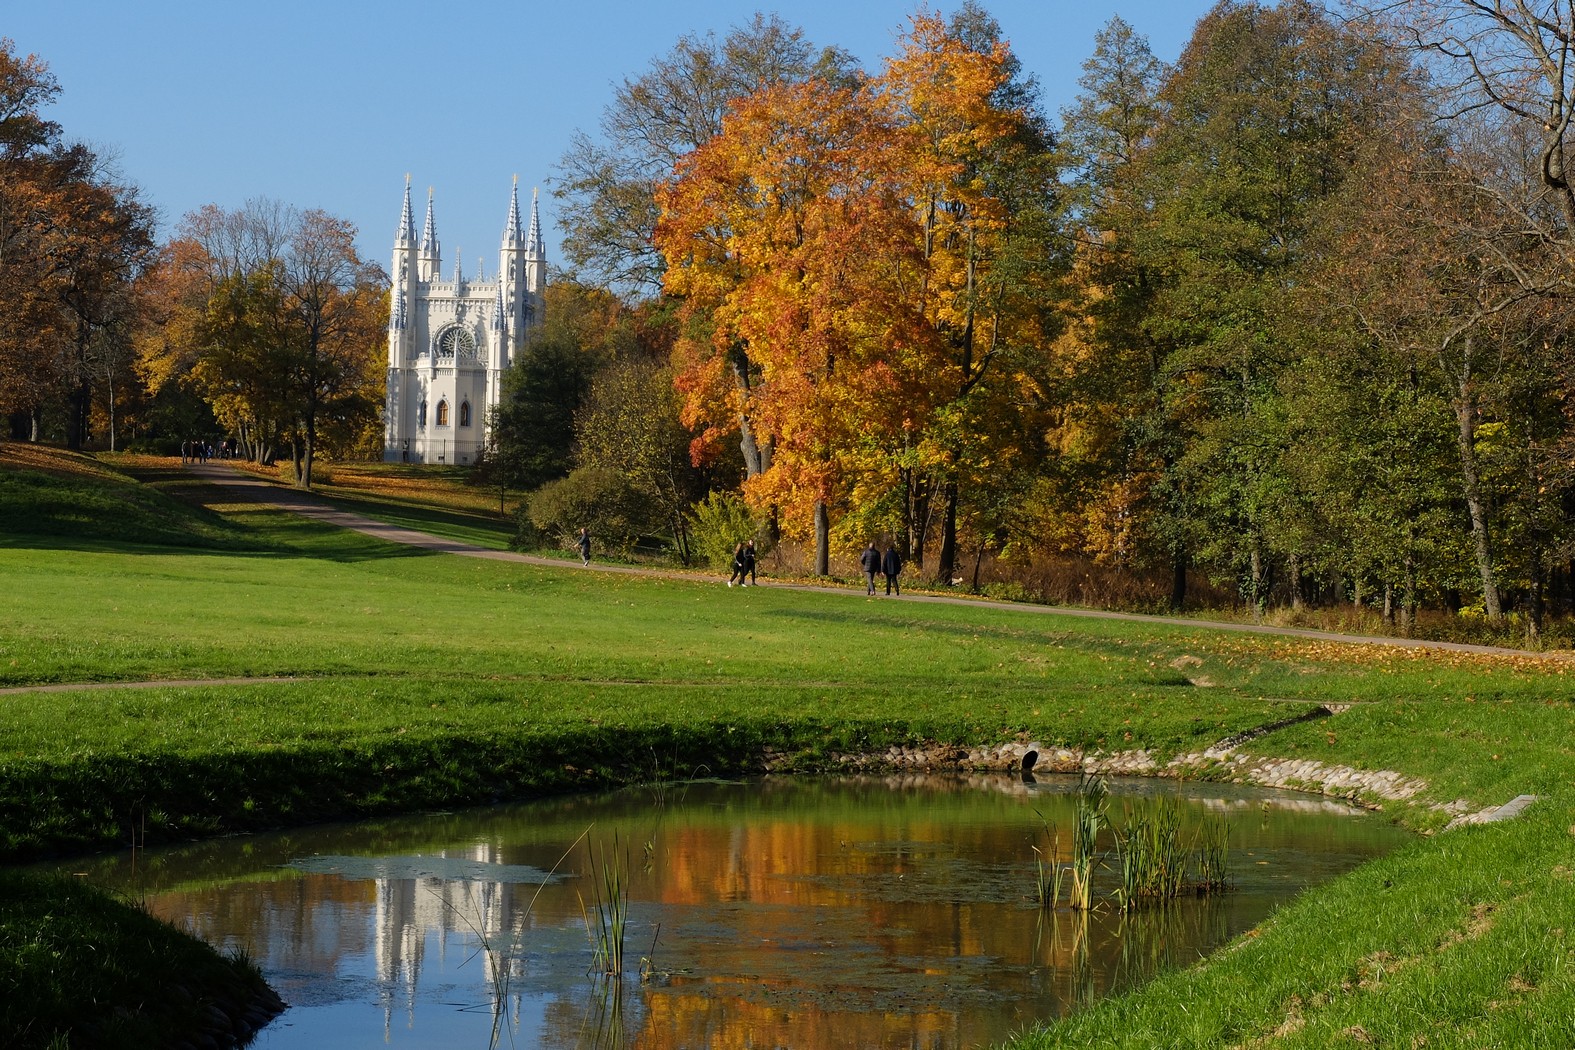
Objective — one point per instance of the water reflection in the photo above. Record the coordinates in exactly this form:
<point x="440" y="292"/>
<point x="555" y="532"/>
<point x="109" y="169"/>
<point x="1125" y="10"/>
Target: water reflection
<point x="787" y="912"/>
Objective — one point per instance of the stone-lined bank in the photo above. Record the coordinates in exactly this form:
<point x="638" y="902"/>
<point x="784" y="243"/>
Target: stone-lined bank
<point x="1365" y="787"/>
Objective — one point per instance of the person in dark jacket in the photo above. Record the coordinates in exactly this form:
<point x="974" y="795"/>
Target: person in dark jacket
<point x="738" y="565"/>
<point x="891" y="565"/>
<point x="870" y="562"/>
<point x="584" y="543"/>
<point x="749" y="564"/>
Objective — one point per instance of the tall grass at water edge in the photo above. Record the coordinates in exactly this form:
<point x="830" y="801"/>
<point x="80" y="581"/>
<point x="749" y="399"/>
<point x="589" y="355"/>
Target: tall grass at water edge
<point x="607" y="915"/>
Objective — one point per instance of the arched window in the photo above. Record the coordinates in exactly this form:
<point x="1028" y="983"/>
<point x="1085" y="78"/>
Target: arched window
<point x="421" y="415"/>
<point x="442" y="419"/>
<point x="464" y="413"/>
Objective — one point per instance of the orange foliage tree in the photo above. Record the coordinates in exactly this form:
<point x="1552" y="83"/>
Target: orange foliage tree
<point x="859" y="248"/>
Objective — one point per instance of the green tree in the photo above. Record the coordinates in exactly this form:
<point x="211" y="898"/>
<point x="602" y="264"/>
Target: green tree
<point x="630" y="423"/>
<point x="1118" y="439"/>
<point x="532" y="428"/>
<point x="1264" y="115"/>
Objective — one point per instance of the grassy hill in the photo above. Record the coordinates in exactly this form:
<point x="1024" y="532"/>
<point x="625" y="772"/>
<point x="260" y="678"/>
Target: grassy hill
<point x="413" y="679"/>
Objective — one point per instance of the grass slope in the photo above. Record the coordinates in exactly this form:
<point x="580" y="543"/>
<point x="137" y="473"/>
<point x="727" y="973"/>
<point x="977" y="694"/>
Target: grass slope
<point x="427" y="679"/>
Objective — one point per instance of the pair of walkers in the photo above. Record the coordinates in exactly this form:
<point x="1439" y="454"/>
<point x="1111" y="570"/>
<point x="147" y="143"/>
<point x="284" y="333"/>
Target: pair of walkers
<point x="743" y="565"/>
<point x="872" y="561"/>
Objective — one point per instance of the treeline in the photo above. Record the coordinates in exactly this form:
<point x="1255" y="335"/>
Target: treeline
<point x="74" y="240"/>
<point x="260" y="325"/>
<point x="1286" y="319"/>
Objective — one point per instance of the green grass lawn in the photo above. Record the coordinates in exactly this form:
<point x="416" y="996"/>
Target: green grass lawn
<point x="426" y="679"/>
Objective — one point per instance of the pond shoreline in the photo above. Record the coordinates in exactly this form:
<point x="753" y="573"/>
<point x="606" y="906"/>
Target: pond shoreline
<point x="232" y="1022"/>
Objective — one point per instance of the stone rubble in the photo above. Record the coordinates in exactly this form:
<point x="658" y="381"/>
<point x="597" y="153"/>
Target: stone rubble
<point x="1367" y="787"/>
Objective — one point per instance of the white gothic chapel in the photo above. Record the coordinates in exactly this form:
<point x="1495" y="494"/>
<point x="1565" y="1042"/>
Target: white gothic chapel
<point x="450" y="340"/>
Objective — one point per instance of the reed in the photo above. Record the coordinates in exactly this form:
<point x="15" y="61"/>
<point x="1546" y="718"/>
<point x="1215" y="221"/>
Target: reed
<point x="1213" y="856"/>
<point x="1049" y="873"/>
<point x="1155" y="856"/>
<point x="1089" y="818"/>
<point x="609" y="881"/>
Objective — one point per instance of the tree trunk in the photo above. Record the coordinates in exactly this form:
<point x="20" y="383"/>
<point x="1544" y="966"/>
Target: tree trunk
<point x="1536" y="607"/>
<point x="946" y="564"/>
<point x="918" y="515"/>
<point x="1255" y="585"/>
<point x="1408" y="600"/>
<point x="1476" y="504"/>
<point x="1294" y="570"/>
<point x="757" y="456"/>
<point x="1389" y="605"/>
<point x="1178" y="579"/>
<point x="109" y="386"/>
<point x="822" y="539"/>
<point x="81" y="405"/>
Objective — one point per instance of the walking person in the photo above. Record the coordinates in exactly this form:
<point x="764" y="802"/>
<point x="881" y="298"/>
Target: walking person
<point x="738" y="565"/>
<point x="584" y="543"/>
<point x="891" y="565"/>
<point x="869" y="561"/>
<point x="749" y="565"/>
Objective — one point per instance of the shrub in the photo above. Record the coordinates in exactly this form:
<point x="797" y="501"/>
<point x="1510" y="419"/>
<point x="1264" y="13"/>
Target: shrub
<point x="719" y="523"/>
<point x="598" y="499"/>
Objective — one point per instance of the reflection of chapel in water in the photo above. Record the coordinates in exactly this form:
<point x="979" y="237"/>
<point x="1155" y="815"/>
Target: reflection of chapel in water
<point x="411" y="911"/>
<point x="450" y="340"/>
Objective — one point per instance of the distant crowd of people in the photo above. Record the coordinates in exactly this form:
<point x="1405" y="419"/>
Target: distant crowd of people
<point x="201" y="451"/>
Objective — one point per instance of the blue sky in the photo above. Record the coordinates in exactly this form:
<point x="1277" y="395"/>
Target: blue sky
<point x="329" y="104"/>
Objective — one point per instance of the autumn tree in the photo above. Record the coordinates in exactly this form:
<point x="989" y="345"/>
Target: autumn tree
<point x="281" y="324"/>
<point x="770" y="230"/>
<point x="73" y="242"/>
<point x="978" y="176"/>
<point x="655" y="120"/>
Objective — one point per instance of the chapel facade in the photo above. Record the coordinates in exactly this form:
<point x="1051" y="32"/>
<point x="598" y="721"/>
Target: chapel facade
<point x="449" y="339"/>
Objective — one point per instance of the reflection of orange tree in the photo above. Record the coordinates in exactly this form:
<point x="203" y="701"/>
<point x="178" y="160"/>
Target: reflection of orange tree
<point x="797" y="991"/>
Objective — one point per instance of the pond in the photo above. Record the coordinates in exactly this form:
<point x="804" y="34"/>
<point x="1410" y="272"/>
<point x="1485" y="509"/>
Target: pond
<point x="782" y="912"/>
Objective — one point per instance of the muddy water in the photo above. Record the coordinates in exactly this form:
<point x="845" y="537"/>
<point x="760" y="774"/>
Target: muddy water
<point x="799" y="913"/>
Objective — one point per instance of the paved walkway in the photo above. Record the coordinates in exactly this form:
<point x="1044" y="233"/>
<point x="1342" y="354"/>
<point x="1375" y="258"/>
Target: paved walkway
<point x="249" y="487"/>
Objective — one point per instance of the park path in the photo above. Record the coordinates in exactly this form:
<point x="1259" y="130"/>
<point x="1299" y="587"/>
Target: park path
<point x="249" y="487"/>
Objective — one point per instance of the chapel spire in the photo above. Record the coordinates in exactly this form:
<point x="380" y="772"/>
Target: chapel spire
<point x="429" y="241"/>
<point x="513" y="236"/>
<point x="533" y="242"/>
<point x="406" y="237"/>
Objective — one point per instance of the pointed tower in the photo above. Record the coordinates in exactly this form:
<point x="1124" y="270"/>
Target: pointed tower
<point x="518" y="297"/>
<point x="430" y="257"/>
<point x="535" y="252"/>
<point x="402" y="294"/>
<point x="402" y="299"/>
